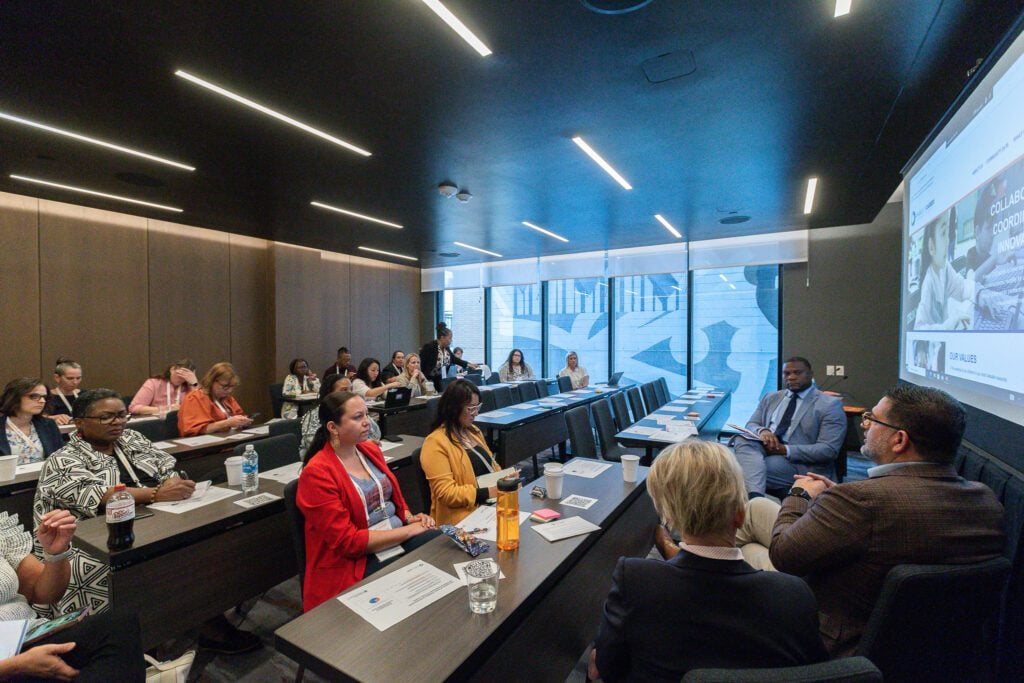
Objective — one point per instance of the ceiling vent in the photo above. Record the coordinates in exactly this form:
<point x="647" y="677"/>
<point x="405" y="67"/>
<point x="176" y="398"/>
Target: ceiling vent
<point x="669" y="66"/>
<point x="733" y="220"/>
<point x="614" y="6"/>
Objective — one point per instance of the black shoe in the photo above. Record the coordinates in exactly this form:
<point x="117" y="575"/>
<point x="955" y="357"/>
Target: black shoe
<point x="231" y="643"/>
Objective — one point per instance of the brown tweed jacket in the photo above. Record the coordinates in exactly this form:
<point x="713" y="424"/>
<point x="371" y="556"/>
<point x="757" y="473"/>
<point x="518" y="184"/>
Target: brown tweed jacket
<point x="847" y="539"/>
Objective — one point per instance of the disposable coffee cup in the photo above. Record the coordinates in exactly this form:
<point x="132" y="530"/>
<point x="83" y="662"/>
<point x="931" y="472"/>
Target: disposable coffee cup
<point x="234" y="467"/>
<point x="8" y="467"/>
<point x="553" y="476"/>
<point x="629" y="465"/>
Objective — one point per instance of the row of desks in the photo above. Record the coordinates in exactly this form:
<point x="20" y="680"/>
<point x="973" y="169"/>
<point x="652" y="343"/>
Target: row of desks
<point x="706" y="409"/>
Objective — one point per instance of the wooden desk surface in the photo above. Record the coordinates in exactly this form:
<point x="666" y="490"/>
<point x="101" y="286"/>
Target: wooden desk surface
<point x="445" y="639"/>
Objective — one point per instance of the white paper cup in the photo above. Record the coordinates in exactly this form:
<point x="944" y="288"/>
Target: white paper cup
<point x="553" y="476"/>
<point x="8" y="467"/>
<point x="629" y="465"/>
<point x="234" y="467"/>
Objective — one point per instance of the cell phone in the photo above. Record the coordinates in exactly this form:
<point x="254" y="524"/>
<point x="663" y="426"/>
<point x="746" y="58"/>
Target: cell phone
<point x="142" y="514"/>
<point x="255" y="416"/>
<point x="53" y="626"/>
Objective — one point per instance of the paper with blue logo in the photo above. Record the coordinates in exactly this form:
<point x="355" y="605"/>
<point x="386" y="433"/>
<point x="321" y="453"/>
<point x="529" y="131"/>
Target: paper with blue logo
<point x="399" y="594"/>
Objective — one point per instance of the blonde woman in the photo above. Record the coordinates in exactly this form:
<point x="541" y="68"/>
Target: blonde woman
<point x="576" y="374"/>
<point x="412" y="377"/>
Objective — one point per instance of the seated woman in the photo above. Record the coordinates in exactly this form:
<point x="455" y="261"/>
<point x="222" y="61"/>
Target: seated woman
<point x="454" y="454"/>
<point x="311" y="420"/>
<point x="705" y="607"/>
<point x="80" y="477"/>
<point x="300" y="380"/>
<point x="163" y="393"/>
<point x="576" y="374"/>
<point x="515" y="368"/>
<point x="454" y="370"/>
<point x="356" y="518"/>
<point x="368" y="383"/>
<point x="67" y="376"/>
<point x="412" y="377"/>
<point x="25" y="432"/>
<point x="103" y="647"/>
<point x="213" y="408"/>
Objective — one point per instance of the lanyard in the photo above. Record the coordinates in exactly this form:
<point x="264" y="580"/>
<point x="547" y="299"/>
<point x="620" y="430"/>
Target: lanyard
<point x="362" y="496"/>
<point x="64" y="398"/>
<point x="479" y="456"/>
<point x="127" y="465"/>
<point x="177" y="396"/>
<point x="21" y="435"/>
<point x="222" y="408"/>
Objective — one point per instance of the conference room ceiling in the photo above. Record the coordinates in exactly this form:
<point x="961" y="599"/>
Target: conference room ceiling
<point x="711" y="110"/>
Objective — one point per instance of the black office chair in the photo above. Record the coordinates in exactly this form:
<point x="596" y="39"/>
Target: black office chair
<point x="502" y="397"/>
<point x="297" y="531"/>
<point x="494" y="378"/>
<point x="564" y="384"/>
<point x="622" y="418"/>
<point x="445" y="381"/>
<point x="528" y="391"/>
<point x="274" y="451"/>
<point x="581" y="433"/>
<point x="661" y="388"/>
<point x="542" y="388"/>
<point x="610" y="448"/>
<point x="171" y="425"/>
<point x="486" y="401"/>
<point x="154" y="430"/>
<point x="421" y="481"/>
<point x="846" y="670"/>
<point x="650" y="397"/>
<point x="285" y="427"/>
<point x="636" y="404"/>
<point x="517" y="393"/>
<point x="937" y="622"/>
<point x="276" y="398"/>
<point x="476" y="378"/>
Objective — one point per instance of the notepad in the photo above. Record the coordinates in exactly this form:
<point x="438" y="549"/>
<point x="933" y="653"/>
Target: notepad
<point x="485" y="481"/>
<point x="565" y="528"/>
<point x="200" y="440"/>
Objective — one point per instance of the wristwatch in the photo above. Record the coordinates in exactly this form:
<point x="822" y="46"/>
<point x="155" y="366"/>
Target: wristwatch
<point x="799" y="492"/>
<point x="59" y="557"/>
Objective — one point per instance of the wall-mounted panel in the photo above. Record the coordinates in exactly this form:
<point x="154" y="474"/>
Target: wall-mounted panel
<point x="19" y="303"/>
<point x="336" y="307"/>
<point x="298" y="287"/>
<point x="369" y="297"/>
<point x="252" y="311"/>
<point x="404" y="318"/>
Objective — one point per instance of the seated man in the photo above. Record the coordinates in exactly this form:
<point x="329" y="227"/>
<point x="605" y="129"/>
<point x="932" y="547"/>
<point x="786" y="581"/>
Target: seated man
<point x="913" y="508"/>
<point x="705" y="607"/>
<point x="801" y="430"/>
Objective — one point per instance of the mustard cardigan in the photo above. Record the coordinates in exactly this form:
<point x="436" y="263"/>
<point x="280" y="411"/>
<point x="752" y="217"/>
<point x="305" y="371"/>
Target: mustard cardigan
<point x="450" y="474"/>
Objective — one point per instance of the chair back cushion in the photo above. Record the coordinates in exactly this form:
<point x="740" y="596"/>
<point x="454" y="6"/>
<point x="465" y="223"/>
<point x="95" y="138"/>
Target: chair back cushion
<point x="605" y="429"/>
<point x="622" y="418"/>
<point x="297" y="526"/>
<point x="577" y="421"/>
<point x="421" y="481"/>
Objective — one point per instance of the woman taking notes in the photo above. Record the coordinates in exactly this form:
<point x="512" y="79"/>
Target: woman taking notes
<point x="356" y="518"/>
<point x="454" y="454"/>
<point x="24" y="432"/>
<point x="213" y="408"/>
<point x="367" y="382"/>
<point x="576" y="374"/>
<point x="300" y="380"/>
<point x="515" y="368"/>
<point x="412" y="377"/>
<point x="165" y="392"/>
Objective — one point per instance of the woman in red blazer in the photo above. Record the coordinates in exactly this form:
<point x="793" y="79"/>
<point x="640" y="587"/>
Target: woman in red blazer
<point x="356" y="517"/>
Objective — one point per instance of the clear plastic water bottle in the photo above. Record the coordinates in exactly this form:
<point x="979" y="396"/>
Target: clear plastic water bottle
<point x="250" y="470"/>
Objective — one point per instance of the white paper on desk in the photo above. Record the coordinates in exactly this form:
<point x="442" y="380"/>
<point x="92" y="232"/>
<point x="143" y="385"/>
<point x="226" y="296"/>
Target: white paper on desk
<point x="498" y="413"/>
<point x="641" y="431"/>
<point x="239" y="435"/>
<point x="388" y="600"/>
<point x="200" y="440"/>
<point x="663" y="419"/>
<point x="550" y="402"/>
<point x="388" y="445"/>
<point x="565" y="528"/>
<point x="485" y="517"/>
<point x="163" y="445"/>
<point x="215" y="494"/>
<point x="262" y="430"/>
<point x="585" y="468"/>
<point x="283" y="474"/>
<point x="12" y="633"/>
<point x="257" y="500"/>
<point x="28" y="467"/>
<point x="578" y="501"/>
<point x="485" y="481"/>
<point x="460" y="569"/>
<point x="675" y="409"/>
<point x="521" y="406"/>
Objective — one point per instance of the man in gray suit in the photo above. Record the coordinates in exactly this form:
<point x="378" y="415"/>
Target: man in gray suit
<point x="799" y="430"/>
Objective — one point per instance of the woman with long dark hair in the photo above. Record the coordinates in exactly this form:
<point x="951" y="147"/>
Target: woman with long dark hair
<point x="515" y="368"/>
<point x="368" y="382"/>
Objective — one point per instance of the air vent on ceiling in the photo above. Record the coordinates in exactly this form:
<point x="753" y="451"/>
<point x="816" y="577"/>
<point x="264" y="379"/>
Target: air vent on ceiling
<point x="450" y="254"/>
<point x="669" y="66"/>
<point x="733" y="220"/>
<point x="614" y="6"/>
<point x="140" y="179"/>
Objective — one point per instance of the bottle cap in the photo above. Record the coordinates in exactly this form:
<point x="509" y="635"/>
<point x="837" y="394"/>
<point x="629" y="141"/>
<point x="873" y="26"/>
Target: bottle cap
<point x="119" y="487"/>
<point x="509" y="483"/>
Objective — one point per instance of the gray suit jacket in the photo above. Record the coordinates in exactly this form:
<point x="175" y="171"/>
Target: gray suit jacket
<point x="817" y="431"/>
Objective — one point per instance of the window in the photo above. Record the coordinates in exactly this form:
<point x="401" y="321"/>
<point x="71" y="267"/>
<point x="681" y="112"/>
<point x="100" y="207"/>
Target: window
<point x="736" y="333"/>
<point x="650" y="328"/>
<point x="516" y="324"/>
<point x="463" y="311"/>
<point x="578" y="321"/>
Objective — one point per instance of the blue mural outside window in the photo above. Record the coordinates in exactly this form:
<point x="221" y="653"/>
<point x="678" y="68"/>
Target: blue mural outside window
<point x="650" y="328"/>
<point x="578" y="321"/>
<point x="463" y="311"/>
<point x="515" y="324"/>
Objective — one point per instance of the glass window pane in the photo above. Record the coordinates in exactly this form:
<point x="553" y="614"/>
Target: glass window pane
<point x="463" y="311"/>
<point x="736" y="333"/>
<point x="578" y="321"/>
<point x="515" y="324"/>
<point x="650" y="328"/>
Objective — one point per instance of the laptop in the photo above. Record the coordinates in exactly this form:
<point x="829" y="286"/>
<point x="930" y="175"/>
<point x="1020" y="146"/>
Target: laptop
<point x="397" y="397"/>
<point x="613" y="381"/>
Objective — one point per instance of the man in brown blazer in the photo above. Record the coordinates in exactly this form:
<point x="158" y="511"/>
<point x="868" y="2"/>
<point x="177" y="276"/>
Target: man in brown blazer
<point x="913" y="508"/>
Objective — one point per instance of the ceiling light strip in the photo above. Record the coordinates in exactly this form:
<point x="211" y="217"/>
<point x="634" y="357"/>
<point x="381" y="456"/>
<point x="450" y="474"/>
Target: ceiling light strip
<point x="546" y="232"/>
<point x="812" y="186"/>
<point x="95" y="193"/>
<point x="360" y="216"/>
<point x="388" y="253"/>
<point x="668" y="226"/>
<point x="843" y="7"/>
<point x="269" y="112"/>
<point x="582" y="144"/>
<point x="94" y="141"/>
<point x="482" y="251"/>
<point x="456" y="25"/>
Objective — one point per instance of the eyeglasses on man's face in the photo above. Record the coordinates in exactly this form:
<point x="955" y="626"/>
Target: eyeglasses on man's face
<point x="867" y="418"/>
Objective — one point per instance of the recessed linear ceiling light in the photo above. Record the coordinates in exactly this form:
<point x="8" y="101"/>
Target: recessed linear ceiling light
<point x="482" y="251"/>
<point x="95" y="193"/>
<point x="356" y="215"/>
<point x="269" y="112"/>
<point x="457" y="26"/>
<point x="581" y="143"/>
<point x="668" y="226"/>
<point x="724" y="278"/>
<point x="94" y="141"/>
<point x="546" y="232"/>
<point x="388" y="253"/>
<point x="843" y="7"/>
<point x="812" y="185"/>
<point x="732" y="286"/>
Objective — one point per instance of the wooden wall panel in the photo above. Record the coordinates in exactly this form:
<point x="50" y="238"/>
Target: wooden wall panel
<point x="19" y="301"/>
<point x="336" y="307"/>
<point x="370" y="301"/>
<point x="189" y="296"/>
<point x="252" y="311"/>
<point x="298" y="289"/>
<point x="404" y="320"/>
<point x="94" y="286"/>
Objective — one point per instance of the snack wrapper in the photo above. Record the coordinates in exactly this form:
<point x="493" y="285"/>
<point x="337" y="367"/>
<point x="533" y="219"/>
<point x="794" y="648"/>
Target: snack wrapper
<point x="467" y="541"/>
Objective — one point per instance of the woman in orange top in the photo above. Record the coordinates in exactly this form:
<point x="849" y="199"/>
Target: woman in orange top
<point x="212" y="408"/>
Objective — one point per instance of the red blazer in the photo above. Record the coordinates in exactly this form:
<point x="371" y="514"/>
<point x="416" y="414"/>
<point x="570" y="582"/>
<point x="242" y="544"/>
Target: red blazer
<point x="336" y="526"/>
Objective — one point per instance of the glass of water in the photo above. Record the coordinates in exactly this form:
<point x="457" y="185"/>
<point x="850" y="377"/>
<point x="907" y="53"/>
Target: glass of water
<point x="482" y="578"/>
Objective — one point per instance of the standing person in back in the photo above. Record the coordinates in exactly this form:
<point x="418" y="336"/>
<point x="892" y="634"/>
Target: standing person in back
<point x="24" y="432"/>
<point x="394" y="368"/>
<point x="342" y="365"/>
<point x="515" y="368"/>
<point x="163" y="393"/>
<point x="300" y="380"/>
<point x="67" y="377"/>
<point x="436" y="356"/>
<point x="213" y="408"/>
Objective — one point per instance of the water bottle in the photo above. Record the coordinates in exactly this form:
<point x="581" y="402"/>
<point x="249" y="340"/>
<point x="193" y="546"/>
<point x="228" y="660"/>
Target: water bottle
<point x="250" y="470"/>
<point x="120" y="514"/>
<point x="508" y="513"/>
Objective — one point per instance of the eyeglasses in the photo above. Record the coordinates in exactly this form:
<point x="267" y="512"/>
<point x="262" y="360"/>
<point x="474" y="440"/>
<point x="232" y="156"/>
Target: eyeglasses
<point x="226" y="387"/>
<point x="473" y="409"/>
<point x="36" y="397"/>
<point x="108" y="418"/>
<point x="867" y="418"/>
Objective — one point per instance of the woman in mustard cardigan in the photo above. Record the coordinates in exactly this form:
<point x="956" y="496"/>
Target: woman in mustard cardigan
<point x="454" y="454"/>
